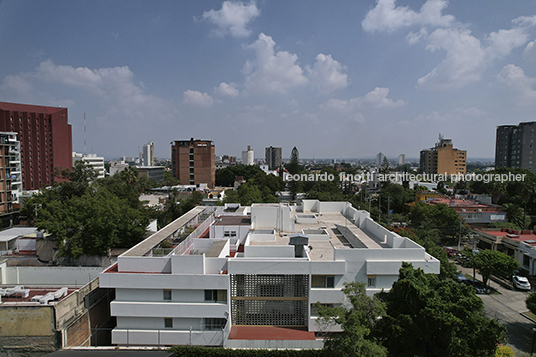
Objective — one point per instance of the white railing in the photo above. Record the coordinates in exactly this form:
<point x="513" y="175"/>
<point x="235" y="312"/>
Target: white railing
<point x="186" y="245"/>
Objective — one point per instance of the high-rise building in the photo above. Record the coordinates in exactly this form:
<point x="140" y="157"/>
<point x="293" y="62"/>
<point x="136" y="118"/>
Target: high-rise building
<point x="148" y="154"/>
<point x="443" y="159"/>
<point x="10" y="172"/>
<point x="45" y="140"/>
<point x="96" y="162"/>
<point x="514" y="146"/>
<point x="194" y="162"/>
<point x="379" y="159"/>
<point x="247" y="156"/>
<point x="273" y="158"/>
<point x="401" y="159"/>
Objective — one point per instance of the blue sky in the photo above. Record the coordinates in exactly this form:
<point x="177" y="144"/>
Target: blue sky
<point x="336" y="79"/>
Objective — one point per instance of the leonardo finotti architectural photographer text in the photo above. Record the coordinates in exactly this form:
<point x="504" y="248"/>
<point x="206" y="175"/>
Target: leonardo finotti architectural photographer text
<point x="486" y="178"/>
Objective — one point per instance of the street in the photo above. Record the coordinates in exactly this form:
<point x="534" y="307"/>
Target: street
<point x="506" y="305"/>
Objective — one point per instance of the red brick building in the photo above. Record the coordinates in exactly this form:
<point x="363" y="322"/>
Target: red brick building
<point x="194" y="162"/>
<point x="45" y="137"/>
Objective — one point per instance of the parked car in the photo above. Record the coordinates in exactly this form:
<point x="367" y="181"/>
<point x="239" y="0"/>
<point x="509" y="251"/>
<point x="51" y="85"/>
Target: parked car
<point x="460" y="277"/>
<point x="521" y="282"/>
<point x="451" y="252"/>
<point x="477" y="285"/>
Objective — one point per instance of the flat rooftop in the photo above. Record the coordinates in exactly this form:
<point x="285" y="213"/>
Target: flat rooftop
<point x="233" y="221"/>
<point x="343" y="234"/>
<point x="33" y="291"/>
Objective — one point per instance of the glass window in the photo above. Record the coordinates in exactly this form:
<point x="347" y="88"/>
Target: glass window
<point x="167" y="294"/>
<point x="372" y="281"/>
<point x="168" y="322"/>
<point x="323" y="281"/>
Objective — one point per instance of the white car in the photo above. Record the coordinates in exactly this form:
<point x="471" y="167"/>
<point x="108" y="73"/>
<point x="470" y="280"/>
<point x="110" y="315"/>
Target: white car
<point x="521" y="282"/>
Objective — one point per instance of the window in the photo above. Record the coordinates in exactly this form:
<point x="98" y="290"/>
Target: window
<point x="226" y="234"/>
<point x="233" y="233"/>
<point x="371" y="281"/>
<point x="314" y="308"/>
<point x="215" y="295"/>
<point x="168" y="322"/>
<point x="167" y="294"/>
<point x="323" y="281"/>
<point x="214" y="323"/>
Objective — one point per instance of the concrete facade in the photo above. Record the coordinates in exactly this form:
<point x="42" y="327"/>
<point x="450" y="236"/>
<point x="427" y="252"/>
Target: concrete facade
<point x="272" y="276"/>
<point x="443" y="158"/>
<point x="10" y="172"/>
<point x="514" y="146"/>
<point x="193" y="162"/>
<point x="273" y="158"/>
<point x="46" y="140"/>
<point x="96" y="162"/>
<point x="248" y="156"/>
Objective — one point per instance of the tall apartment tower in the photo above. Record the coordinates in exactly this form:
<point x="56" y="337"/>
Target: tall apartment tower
<point x="514" y="146"/>
<point x="401" y="159"/>
<point x="379" y="159"/>
<point x="247" y="156"/>
<point x="45" y="137"/>
<point x="148" y="154"/>
<point x="194" y="162"/>
<point x="10" y="173"/>
<point x="443" y="158"/>
<point x="273" y="158"/>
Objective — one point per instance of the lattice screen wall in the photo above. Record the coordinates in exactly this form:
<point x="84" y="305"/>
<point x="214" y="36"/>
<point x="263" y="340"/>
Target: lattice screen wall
<point x="280" y="300"/>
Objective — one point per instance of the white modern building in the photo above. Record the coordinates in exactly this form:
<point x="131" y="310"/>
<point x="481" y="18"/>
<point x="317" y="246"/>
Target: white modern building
<point x="248" y="156"/>
<point x="147" y="154"/>
<point x="248" y="274"/>
<point x="401" y="159"/>
<point x="96" y="162"/>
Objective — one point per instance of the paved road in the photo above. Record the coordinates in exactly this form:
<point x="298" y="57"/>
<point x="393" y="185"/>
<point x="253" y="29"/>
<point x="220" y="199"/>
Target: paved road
<point x="506" y="305"/>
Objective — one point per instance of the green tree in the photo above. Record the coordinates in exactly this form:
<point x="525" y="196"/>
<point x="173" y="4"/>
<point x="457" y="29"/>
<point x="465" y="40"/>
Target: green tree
<point x="435" y="216"/>
<point x="492" y="262"/>
<point x="516" y="215"/>
<point x="427" y="316"/>
<point x="89" y="219"/>
<point x="357" y="321"/>
<point x="226" y="177"/>
<point x="293" y="168"/>
<point x="531" y="303"/>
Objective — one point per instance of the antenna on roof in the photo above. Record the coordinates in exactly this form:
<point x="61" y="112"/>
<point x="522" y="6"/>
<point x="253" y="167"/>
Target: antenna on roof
<point x="85" y="151"/>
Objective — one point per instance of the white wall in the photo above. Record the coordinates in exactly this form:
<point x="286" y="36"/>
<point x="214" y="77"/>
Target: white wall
<point x="272" y="251"/>
<point x="157" y="323"/>
<point x="46" y="276"/>
<point x="167" y="337"/>
<point x="144" y="264"/>
<point x="188" y="264"/>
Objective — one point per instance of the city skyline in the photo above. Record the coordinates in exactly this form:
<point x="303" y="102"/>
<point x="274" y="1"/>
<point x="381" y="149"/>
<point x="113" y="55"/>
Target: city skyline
<point x="345" y="80"/>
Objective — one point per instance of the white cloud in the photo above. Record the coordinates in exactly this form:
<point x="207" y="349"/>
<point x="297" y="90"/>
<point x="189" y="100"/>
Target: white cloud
<point x="228" y="90"/>
<point x="113" y="87"/>
<point x="270" y="71"/>
<point x="464" y="61"/>
<point x="197" y="98"/>
<point x="378" y="99"/>
<point x="326" y="74"/>
<point x="388" y="17"/>
<point x="522" y="86"/>
<point x="529" y="56"/>
<point x="466" y="58"/>
<point x="373" y="99"/>
<point x="502" y="42"/>
<point x="232" y="18"/>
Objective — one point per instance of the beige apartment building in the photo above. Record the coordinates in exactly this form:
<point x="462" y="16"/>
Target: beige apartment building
<point x="443" y="158"/>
